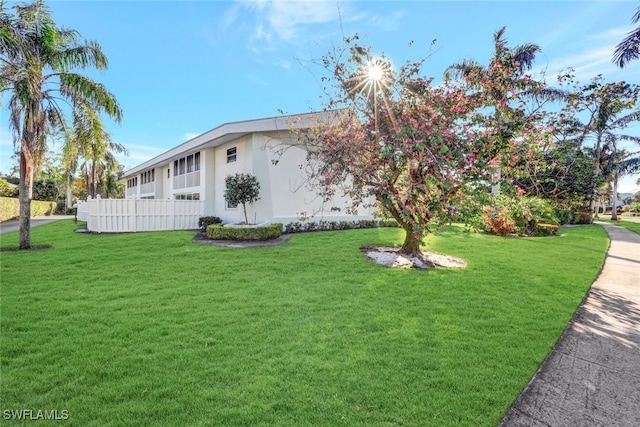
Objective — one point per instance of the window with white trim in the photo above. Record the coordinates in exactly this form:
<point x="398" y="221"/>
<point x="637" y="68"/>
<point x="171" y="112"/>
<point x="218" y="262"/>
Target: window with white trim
<point x="187" y="196"/>
<point x="232" y="155"/>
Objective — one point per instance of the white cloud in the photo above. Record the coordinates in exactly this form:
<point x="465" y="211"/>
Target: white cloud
<point x="287" y="18"/>
<point x="593" y="59"/>
<point x="289" y="21"/>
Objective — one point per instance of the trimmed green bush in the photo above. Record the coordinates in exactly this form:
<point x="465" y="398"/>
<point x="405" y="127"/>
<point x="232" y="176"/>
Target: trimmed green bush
<point x="10" y="208"/>
<point x="206" y="221"/>
<point x="7" y="190"/>
<point x="540" y="230"/>
<point x="306" y="226"/>
<point x="220" y="232"/>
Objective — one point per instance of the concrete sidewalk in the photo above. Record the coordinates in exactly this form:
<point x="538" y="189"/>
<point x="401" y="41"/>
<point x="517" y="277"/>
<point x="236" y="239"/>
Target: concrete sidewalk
<point x="592" y="375"/>
<point x="14" y="224"/>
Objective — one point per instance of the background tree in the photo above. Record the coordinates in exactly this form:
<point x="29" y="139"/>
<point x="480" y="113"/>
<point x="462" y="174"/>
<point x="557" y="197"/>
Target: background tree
<point x="406" y="146"/>
<point x="517" y="60"/>
<point x="609" y="108"/>
<point x="618" y="163"/>
<point x="240" y="189"/>
<point x="629" y="47"/>
<point x="37" y="63"/>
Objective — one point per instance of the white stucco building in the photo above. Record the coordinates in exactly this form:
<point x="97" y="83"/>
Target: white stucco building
<point x="196" y="170"/>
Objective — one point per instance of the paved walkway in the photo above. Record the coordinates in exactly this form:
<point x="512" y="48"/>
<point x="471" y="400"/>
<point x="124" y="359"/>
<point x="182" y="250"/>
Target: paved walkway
<point x="14" y="224"/>
<point x="592" y="376"/>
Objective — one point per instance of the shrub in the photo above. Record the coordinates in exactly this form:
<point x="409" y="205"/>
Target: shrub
<point x="498" y="220"/>
<point x="10" y="208"/>
<point x="518" y="215"/>
<point x="220" y="232"/>
<point x="7" y="190"/>
<point x="205" y="221"/>
<point x="540" y="230"/>
<point x="582" y="218"/>
<point x="306" y="226"/>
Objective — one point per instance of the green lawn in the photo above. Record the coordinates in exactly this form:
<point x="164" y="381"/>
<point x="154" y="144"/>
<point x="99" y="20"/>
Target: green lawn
<point x="152" y="329"/>
<point x="629" y="225"/>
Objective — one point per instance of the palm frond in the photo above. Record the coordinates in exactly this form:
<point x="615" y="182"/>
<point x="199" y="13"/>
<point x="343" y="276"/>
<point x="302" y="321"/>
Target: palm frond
<point x="83" y="90"/>
<point x="622" y="122"/>
<point x="88" y="55"/>
<point x="525" y="54"/>
<point x="462" y="69"/>
<point x="629" y="48"/>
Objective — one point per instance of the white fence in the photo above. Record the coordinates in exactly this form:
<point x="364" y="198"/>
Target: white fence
<point x="131" y="215"/>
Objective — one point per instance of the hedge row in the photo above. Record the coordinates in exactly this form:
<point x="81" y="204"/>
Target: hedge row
<point x="307" y="226"/>
<point x="10" y="208"/>
<point x="220" y="232"/>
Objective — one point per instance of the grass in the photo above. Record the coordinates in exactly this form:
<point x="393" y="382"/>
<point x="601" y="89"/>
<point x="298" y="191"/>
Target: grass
<point x="152" y="329"/>
<point x="629" y="225"/>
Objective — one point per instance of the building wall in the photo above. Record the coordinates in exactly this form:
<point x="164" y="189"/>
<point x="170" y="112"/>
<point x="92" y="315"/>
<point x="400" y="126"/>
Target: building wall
<point x="244" y="164"/>
<point x="278" y="164"/>
<point x="290" y="196"/>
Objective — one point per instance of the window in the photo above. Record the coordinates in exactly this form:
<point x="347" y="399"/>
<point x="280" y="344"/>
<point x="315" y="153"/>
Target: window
<point x="187" y="196"/>
<point x="231" y="155"/>
<point x="186" y="171"/>
<point x="132" y="182"/>
<point x="147" y="182"/>
<point x="232" y="207"/>
<point x="190" y="163"/>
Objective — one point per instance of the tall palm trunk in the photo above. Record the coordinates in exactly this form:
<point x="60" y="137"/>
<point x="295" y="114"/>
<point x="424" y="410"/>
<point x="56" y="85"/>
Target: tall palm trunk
<point x="26" y="180"/>
<point x="69" y="198"/>
<point x="614" y="198"/>
<point x="596" y="172"/>
<point x="91" y="181"/>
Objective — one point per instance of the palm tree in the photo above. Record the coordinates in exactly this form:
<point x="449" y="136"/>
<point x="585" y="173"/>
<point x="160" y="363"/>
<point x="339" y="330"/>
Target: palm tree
<point x="37" y="63"/>
<point x="629" y="48"/>
<point x="605" y="104"/>
<point x="524" y="54"/>
<point x="519" y="58"/>
<point x="617" y="164"/>
<point x="93" y="144"/>
<point x="101" y="164"/>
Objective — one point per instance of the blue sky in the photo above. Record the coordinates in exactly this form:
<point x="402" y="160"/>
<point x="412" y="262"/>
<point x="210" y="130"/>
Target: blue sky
<point x="180" y="68"/>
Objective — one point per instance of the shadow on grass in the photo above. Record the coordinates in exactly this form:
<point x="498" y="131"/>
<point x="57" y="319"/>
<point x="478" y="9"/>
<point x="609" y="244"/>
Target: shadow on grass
<point x="32" y="248"/>
<point x="590" y="377"/>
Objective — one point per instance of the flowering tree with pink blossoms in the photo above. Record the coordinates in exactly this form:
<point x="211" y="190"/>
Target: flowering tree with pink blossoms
<point x="406" y="145"/>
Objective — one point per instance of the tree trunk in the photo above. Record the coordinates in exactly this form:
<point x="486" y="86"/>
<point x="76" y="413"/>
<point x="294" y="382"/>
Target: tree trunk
<point x="26" y="188"/>
<point x="244" y="208"/>
<point x="69" y="198"/>
<point x="91" y="181"/>
<point x="614" y="199"/>
<point x="596" y="173"/>
<point x="411" y="245"/>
